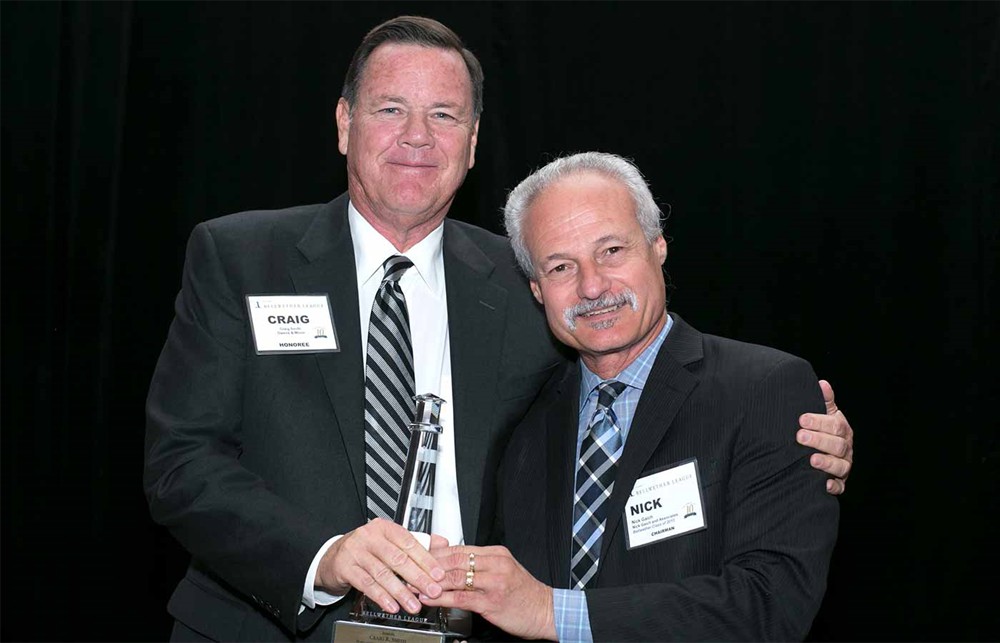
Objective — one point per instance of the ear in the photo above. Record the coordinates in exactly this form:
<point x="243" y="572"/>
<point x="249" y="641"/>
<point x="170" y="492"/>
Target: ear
<point x="660" y="248"/>
<point x="343" y="124"/>
<point x="472" y="144"/>
<point x="536" y="291"/>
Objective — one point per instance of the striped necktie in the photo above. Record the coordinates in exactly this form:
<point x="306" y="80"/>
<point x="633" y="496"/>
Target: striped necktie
<point x="389" y="390"/>
<point x="595" y="479"/>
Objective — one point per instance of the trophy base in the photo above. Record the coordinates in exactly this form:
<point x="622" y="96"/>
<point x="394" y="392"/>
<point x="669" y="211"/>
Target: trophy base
<point x="355" y="632"/>
<point x="369" y="624"/>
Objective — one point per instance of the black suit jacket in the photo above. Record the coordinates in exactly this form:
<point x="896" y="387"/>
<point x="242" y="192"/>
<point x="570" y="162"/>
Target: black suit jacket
<point x="254" y="461"/>
<point x="759" y="569"/>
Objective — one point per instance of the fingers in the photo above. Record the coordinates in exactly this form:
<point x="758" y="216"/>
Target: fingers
<point x="502" y="591"/>
<point x="835" y="487"/>
<point x="831" y="406"/>
<point x="457" y="557"/>
<point x="471" y="601"/>
<point x="438" y="542"/>
<point x="378" y="582"/>
<point x="837" y="467"/>
<point x="491" y="578"/>
<point x="829" y="444"/>
<point x="830" y="424"/>
<point x="831" y="434"/>
<point x="486" y="567"/>
<point x="401" y="552"/>
<point x="380" y="559"/>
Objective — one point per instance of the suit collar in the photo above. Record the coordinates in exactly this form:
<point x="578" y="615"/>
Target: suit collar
<point x="329" y="268"/>
<point x="560" y="425"/>
<point x="328" y="232"/>
<point x="477" y="310"/>
<point x="684" y="343"/>
<point x="669" y="385"/>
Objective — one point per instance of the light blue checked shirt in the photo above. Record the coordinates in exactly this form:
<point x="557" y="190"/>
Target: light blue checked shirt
<point x="570" y="605"/>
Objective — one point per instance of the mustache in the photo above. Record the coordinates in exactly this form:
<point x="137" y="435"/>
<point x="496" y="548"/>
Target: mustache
<point x="606" y="300"/>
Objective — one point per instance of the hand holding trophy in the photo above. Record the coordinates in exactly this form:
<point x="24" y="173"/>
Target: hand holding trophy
<point x="414" y="511"/>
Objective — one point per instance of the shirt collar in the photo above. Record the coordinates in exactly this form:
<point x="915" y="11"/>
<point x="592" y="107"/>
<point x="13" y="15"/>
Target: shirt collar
<point x="634" y="375"/>
<point x="371" y="250"/>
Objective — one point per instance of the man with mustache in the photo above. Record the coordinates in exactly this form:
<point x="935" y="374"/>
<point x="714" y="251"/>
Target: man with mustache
<point x="267" y="457"/>
<point x="654" y="491"/>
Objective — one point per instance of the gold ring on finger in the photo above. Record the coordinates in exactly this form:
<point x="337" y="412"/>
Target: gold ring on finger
<point x="469" y="578"/>
<point x="472" y="562"/>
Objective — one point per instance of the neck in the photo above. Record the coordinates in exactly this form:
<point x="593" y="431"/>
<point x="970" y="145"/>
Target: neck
<point x="403" y="238"/>
<point x="402" y="230"/>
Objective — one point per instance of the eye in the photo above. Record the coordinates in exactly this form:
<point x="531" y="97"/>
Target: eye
<point x="389" y="110"/>
<point x="442" y="116"/>
<point x="613" y="250"/>
<point x="558" y="268"/>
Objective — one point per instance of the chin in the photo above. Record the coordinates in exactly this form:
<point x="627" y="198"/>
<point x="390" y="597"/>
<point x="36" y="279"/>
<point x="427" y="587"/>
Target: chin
<point x="413" y="206"/>
<point x="600" y="345"/>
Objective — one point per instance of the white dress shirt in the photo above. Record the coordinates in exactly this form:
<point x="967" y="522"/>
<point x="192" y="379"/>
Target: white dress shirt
<point x="423" y="286"/>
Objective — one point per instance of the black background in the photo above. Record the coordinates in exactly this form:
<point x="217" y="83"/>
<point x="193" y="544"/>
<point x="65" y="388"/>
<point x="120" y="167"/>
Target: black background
<point x="831" y="172"/>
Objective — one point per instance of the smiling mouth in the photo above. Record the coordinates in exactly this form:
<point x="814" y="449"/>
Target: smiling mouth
<point x="602" y="311"/>
<point x="598" y="312"/>
<point x="415" y="166"/>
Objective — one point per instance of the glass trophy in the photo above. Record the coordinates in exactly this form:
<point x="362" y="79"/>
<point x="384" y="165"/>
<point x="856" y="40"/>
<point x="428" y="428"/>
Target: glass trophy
<point x="414" y="511"/>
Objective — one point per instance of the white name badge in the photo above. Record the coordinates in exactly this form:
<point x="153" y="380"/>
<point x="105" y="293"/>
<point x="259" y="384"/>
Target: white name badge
<point x="663" y="505"/>
<point x="292" y="324"/>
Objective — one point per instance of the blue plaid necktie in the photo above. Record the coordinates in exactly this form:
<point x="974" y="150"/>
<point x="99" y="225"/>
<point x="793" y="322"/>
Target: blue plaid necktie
<point x="595" y="479"/>
<point x="388" y="392"/>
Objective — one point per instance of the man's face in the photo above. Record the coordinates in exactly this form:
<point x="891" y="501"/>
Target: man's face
<point x="599" y="279"/>
<point x="411" y="136"/>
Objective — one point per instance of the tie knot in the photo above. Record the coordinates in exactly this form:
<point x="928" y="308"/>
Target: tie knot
<point x="608" y="392"/>
<point x="395" y="266"/>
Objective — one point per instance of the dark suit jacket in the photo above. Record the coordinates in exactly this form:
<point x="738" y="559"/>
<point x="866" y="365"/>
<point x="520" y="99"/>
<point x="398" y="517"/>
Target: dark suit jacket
<point x="254" y="461"/>
<point x="759" y="569"/>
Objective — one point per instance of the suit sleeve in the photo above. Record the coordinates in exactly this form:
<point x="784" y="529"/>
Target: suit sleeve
<point x="222" y="513"/>
<point x="779" y="533"/>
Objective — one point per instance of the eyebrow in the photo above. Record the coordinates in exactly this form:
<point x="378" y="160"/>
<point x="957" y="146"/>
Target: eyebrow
<point x="611" y="237"/>
<point x="392" y="98"/>
<point x="598" y="242"/>
<point x="556" y="255"/>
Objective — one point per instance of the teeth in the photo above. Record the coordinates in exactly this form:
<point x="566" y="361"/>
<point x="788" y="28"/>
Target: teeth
<point x="601" y="311"/>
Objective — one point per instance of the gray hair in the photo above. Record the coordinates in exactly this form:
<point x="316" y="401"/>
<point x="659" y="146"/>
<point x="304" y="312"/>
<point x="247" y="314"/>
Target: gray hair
<point x="610" y="165"/>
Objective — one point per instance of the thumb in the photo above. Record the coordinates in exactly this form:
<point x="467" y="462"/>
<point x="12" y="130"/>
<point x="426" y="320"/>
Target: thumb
<point x="438" y="542"/>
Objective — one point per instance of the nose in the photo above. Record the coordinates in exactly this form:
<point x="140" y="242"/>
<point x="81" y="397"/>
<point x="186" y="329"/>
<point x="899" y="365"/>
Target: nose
<point x="591" y="281"/>
<point x="416" y="132"/>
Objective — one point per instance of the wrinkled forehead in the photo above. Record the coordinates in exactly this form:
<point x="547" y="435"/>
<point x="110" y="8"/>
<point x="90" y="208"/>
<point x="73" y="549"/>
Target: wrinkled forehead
<point x="409" y="61"/>
<point x="583" y="189"/>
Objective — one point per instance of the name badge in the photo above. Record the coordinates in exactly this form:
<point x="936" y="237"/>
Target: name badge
<point x="663" y="505"/>
<point x="292" y="324"/>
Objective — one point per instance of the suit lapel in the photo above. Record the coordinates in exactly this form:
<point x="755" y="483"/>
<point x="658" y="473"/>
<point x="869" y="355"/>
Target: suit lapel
<point x="330" y="269"/>
<point x="477" y="308"/>
<point x="561" y="423"/>
<point x="668" y="385"/>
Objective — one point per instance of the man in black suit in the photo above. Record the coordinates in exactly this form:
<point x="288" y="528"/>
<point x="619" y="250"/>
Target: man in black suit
<point x="656" y="483"/>
<point x="256" y="445"/>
